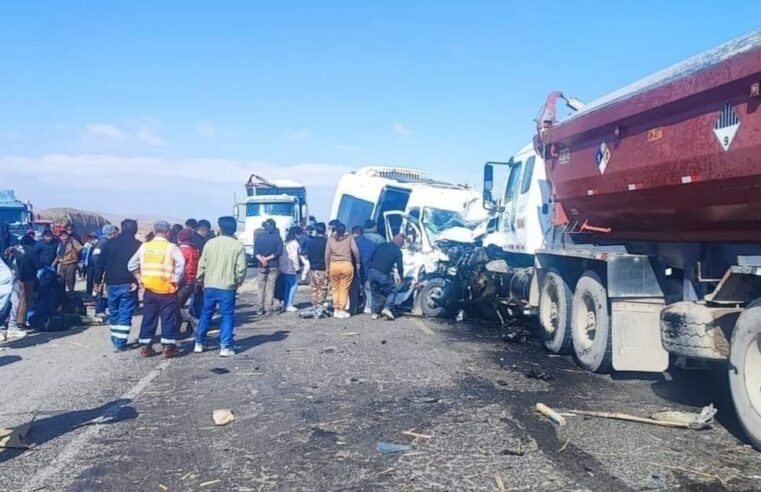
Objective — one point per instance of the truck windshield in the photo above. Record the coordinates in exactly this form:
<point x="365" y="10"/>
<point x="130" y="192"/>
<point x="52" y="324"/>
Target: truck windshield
<point x="276" y="209"/>
<point x="511" y="190"/>
<point x="436" y="221"/>
<point x="12" y="215"/>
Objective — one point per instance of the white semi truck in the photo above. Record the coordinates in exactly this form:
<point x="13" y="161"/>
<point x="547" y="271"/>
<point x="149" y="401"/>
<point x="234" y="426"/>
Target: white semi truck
<point x="282" y="200"/>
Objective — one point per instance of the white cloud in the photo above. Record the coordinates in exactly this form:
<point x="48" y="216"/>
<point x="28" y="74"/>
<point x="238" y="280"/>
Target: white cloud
<point x="401" y="129"/>
<point x="206" y="130"/>
<point x="153" y="185"/>
<point x="300" y="134"/>
<point x="150" y="136"/>
<point x="105" y="131"/>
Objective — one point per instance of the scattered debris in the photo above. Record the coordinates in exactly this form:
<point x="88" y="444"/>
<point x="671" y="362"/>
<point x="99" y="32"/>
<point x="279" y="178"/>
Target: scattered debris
<point x="223" y="416"/>
<point x="412" y="433"/>
<point x="211" y="482"/>
<point x="329" y="350"/>
<point x="514" y="452"/>
<point x="386" y="471"/>
<point x="515" y="337"/>
<point x="502" y="382"/>
<point x="383" y="342"/>
<point x="681" y="420"/>
<point x="186" y="475"/>
<point x="350" y="334"/>
<point x="314" y="312"/>
<point x="657" y="481"/>
<point x="500" y="483"/>
<point x="551" y="414"/>
<point x="562" y="448"/>
<point x="219" y="370"/>
<point x="535" y="373"/>
<point x="389" y="448"/>
<point x="694" y="420"/>
<point x="163" y="487"/>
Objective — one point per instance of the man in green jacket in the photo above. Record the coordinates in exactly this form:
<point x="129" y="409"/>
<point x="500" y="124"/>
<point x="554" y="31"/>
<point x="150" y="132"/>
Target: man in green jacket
<point x="221" y="270"/>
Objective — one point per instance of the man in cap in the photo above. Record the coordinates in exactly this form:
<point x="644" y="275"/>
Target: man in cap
<point x="68" y="259"/>
<point x="158" y="266"/>
<point x="222" y="270"/>
<point x="122" y="289"/>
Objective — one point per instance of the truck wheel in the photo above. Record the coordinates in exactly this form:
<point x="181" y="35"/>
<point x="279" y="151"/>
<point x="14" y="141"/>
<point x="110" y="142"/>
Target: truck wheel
<point x="590" y="324"/>
<point x="433" y="299"/>
<point x="555" y="313"/>
<point x="695" y="330"/>
<point x="745" y="371"/>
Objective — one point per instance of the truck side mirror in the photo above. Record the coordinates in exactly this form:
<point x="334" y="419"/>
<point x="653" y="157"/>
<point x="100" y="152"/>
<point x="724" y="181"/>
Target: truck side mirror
<point x="488" y="187"/>
<point x="545" y="209"/>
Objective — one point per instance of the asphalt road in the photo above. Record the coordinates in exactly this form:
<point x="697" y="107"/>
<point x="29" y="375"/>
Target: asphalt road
<point x="313" y="398"/>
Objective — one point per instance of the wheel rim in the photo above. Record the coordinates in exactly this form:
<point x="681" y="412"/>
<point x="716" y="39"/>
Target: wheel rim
<point x="433" y="297"/>
<point x="550" y="318"/>
<point x="753" y="373"/>
<point x="586" y="322"/>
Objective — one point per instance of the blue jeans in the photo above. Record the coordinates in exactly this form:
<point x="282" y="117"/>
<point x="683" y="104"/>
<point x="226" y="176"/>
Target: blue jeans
<point x="121" y="306"/>
<point x="290" y="285"/>
<point x="226" y="301"/>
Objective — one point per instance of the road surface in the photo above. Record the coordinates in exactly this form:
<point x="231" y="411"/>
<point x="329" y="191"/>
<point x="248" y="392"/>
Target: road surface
<point x="313" y="399"/>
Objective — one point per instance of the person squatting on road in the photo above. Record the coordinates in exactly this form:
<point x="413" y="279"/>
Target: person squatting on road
<point x="267" y="249"/>
<point x="188" y="286"/>
<point x="381" y="275"/>
<point x="222" y="270"/>
<point x="315" y="252"/>
<point x="158" y="266"/>
<point x="341" y="255"/>
<point x="112" y="269"/>
<point x="68" y="259"/>
<point x="289" y="267"/>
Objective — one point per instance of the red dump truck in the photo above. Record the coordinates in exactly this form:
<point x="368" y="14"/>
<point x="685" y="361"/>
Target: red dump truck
<point x="655" y="247"/>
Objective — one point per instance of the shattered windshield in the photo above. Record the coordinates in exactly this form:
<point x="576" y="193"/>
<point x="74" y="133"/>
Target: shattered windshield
<point x="435" y="221"/>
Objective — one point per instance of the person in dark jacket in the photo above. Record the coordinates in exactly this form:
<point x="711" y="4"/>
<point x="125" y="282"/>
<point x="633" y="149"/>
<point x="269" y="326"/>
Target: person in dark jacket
<point x="107" y="233"/>
<point x="112" y="270"/>
<point x="386" y="256"/>
<point x="315" y="253"/>
<point x="13" y="263"/>
<point x="26" y="264"/>
<point x="366" y="249"/>
<point x="46" y="250"/>
<point x="267" y="249"/>
<point x="202" y="234"/>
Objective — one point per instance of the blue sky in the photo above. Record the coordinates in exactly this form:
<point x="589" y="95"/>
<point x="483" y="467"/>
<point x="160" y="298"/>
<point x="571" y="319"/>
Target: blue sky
<point x="163" y="107"/>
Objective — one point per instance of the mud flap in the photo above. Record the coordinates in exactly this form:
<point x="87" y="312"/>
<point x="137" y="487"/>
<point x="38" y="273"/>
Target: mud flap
<point x="636" y="333"/>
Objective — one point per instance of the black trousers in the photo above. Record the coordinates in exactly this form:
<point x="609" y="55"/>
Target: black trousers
<point x="155" y="307"/>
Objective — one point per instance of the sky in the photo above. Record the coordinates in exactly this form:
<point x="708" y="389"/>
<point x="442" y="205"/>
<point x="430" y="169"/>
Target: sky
<point x="164" y="108"/>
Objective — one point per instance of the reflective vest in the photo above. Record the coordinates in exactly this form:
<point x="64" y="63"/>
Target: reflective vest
<point x="157" y="267"/>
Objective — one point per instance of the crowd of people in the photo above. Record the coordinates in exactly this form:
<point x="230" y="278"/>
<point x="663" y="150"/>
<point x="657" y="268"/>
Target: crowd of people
<point x="188" y="273"/>
<point x="359" y="268"/>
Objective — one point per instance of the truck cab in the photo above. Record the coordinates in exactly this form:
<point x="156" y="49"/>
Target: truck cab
<point x="15" y="213"/>
<point x="283" y="201"/>
<point x="522" y="208"/>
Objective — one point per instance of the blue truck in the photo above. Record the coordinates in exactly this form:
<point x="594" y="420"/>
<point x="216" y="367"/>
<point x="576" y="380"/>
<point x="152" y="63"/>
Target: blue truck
<point x="16" y="214"/>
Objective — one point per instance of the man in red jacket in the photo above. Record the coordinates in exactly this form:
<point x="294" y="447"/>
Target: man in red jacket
<point x="192" y="255"/>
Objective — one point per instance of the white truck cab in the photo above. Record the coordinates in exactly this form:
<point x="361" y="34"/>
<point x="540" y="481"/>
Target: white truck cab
<point x="283" y="201"/>
<point x="523" y="207"/>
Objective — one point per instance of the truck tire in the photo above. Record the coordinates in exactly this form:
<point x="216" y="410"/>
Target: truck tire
<point x="695" y="330"/>
<point x="555" y="313"/>
<point x="745" y="371"/>
<point x="590" y="324"/>
<point x="433" y="299"/>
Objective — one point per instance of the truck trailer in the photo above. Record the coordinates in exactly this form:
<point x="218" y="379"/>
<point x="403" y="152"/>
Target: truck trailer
<point x="653" y="248"/>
